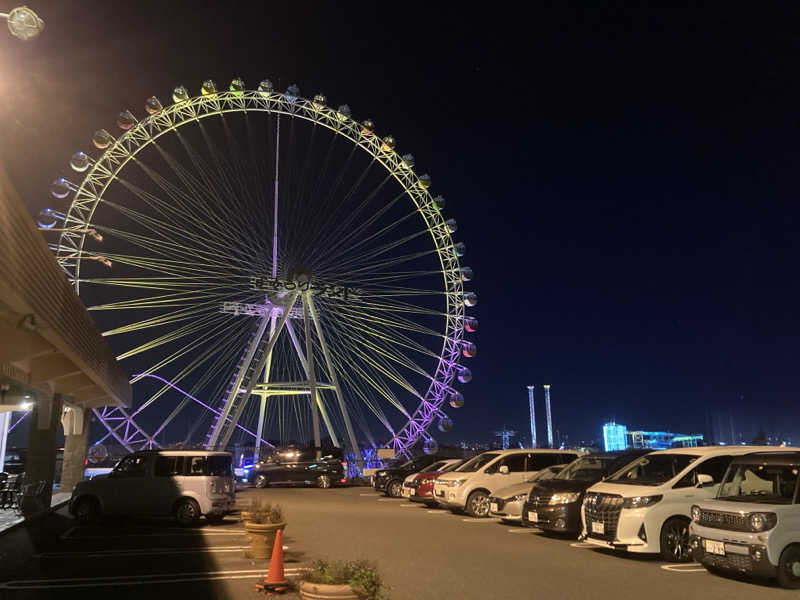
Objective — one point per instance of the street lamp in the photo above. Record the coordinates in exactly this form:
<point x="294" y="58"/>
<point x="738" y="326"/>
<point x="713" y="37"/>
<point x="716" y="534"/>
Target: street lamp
<point x="23" y="23"/>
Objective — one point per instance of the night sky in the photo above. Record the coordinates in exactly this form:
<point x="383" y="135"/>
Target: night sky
<point x="624" y="174"/>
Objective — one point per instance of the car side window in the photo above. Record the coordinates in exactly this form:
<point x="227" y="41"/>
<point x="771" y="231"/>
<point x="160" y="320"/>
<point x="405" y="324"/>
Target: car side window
<point x="514" y="462"/>
<point x="134" y="465"/>
<point x="715" y="467"/>
<point x="196" y="465"/>
<point x="541" y="460"/>
<point x="167" y="466"/>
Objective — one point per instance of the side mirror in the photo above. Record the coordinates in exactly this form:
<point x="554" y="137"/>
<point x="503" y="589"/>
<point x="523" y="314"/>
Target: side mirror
<point x="704" y="480"/>
<point x="503" y="470"/>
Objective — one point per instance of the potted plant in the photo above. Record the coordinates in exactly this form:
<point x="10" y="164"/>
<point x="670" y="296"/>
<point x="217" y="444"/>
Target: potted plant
<point x="261" y="521"/>
<point x="342" y="580"/>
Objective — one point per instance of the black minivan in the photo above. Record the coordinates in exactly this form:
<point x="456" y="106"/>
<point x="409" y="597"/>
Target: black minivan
<point x="295" y="466"/>
<point x="554" y="504"/>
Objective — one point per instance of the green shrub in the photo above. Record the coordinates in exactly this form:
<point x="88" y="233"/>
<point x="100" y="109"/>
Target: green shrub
<point x="359" y="575"/>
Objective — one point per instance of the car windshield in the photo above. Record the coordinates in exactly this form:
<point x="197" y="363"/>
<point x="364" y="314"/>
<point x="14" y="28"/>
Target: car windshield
<point x="654" y="469"/>
<point x="754" y="482"/>
<point x="452" y="466"/>
<point x="586" y="468"/>
<point x="548" y="473"/>
<point x="435" y="466"/>
<point x="477" y="462"/>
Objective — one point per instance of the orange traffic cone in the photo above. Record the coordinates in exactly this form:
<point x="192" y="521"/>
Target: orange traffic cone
<point x="275" y="581"/>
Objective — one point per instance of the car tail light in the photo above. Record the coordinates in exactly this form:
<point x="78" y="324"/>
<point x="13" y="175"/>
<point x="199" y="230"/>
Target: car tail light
<point x="344" y="465"/>
<point x="342" y="480"/>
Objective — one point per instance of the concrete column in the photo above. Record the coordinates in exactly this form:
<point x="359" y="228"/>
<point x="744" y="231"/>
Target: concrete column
<point x="75" y="434"/>
<point x="40" y="465"/>
<point x="5" y="423"/>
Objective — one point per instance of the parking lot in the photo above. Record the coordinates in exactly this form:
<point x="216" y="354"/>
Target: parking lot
<point x="421" y="553"/>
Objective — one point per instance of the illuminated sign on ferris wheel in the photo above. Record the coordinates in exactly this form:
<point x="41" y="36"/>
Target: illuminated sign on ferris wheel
<point x="273" y="284"/>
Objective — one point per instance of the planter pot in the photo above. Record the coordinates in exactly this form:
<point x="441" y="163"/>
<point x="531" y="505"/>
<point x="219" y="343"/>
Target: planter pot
<point x="262" y="537"/>
<point x="315" y="591"/>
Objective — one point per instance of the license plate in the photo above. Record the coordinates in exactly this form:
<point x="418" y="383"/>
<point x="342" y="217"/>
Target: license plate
<point x="713" y="547"/>
<point x="533" y="517"/>
<point x="493" y="507"/>
<point x="598" y="527"/>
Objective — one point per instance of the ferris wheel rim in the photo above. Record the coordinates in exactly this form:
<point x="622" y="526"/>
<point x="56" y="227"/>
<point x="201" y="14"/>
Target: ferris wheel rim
<point x="104" y="171"/>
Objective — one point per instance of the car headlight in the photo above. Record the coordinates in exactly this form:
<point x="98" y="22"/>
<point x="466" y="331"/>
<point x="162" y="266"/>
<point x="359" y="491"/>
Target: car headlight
<point x="564" y="497"/>
<point x="762" y="521"/>
<point x="453" y="482"/>
<point x="640" y="501"/>
<point x="695" y="513"/>
<point x="381" y="473"/>
<point x="520" y="498"/>
<point x="427" y="481"/>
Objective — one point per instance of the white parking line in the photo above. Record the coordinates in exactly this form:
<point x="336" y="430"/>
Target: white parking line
<point x="142" y="551"/>
<point x="519" y="531"/>
<point x="685" y="568"/>
<point x="184" y="534"/>
<point x="387" y="499"/>
<point x="583" y="545"/>
<point x="407" y="504"/>
<point x="127" y="580"/>
<point x="480" y="520"/>
<point x="370" y="495"/>
<point x="436" y="512"/>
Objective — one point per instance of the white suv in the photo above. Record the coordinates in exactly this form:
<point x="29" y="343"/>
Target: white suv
<point x="469" y="486"/>
<point x="646" y="506"/>
<point x="753" y="525"/>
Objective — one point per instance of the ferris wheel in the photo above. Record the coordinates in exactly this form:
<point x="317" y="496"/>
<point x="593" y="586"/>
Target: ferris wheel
<point x="269" y="270"/>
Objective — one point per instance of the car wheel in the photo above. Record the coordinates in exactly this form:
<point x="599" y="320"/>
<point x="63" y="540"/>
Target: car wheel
<point x="675" y="540"/>
<point x="186" y="512"/>
<point x="789" y="568"/>
<point x="478" y="505"/>
<point x="323" y="481"/>
<point x="394" y="489"/>
<point x="87" y="510"/>
<point x="215" y="519"/>
<point x="261" y="481"/>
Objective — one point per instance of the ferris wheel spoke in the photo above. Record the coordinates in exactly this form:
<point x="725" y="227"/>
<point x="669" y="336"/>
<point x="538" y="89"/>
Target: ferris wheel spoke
<point x="175" y="299"/>
<point x="174" y="335"/>
<point x="160" y="320"/>
<point x="395" y="322"/>
<point x="174" y="380"/>
<point x="158" y="283"/>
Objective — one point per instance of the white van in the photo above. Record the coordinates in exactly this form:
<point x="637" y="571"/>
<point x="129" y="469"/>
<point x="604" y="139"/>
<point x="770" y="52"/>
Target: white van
<point x="646" y="507"/>
<point x="185" y="484"/>
<point x="469" y="486"/>
<point x="753" y="525"/>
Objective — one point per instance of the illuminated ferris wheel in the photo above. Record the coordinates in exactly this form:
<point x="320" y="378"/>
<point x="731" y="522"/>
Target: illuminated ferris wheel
<point x="269" y="270"/>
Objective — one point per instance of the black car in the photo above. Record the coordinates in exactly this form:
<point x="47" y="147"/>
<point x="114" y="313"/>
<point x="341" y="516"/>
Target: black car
<point x="293" y="466"/>
<point x="390" y="480"/>
<point x="555" y="504"/>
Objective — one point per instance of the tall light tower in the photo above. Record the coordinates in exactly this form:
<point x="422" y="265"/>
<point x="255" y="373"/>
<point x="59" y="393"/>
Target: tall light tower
<point x="549" y="416"/>
<point x="533" y="416"/>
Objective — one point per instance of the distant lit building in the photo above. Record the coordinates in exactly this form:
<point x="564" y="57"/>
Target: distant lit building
<point x="617" y="437"/>
<point x="614" y="437"/>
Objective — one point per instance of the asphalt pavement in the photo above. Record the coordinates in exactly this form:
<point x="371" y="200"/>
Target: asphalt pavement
<point x="421" y="554"/>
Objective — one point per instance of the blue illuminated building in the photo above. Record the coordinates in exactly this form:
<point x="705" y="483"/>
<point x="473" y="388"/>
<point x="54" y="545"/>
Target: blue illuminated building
<point x="614" y="437"/>
<point x="617" y="437"/>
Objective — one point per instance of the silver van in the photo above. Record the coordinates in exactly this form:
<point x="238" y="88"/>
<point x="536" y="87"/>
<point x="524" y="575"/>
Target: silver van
<point x="184" y="484"/>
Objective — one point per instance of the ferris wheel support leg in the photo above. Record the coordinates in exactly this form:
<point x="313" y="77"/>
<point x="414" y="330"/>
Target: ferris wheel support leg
<point x="263" y="404"/>
<point x="320" y="404"/>
<point x="335" y="380"/>
<point x="226" y="436"/>
<point x="234" y="392"/>
<point x="312" y="379"/>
